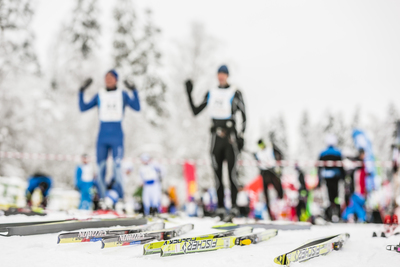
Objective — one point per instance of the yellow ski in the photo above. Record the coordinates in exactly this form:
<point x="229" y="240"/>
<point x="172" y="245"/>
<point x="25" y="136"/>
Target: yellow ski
<point x="216" y="243"/>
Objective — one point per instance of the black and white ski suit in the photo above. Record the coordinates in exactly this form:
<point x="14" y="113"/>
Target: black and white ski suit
<point x="223" y="103"/>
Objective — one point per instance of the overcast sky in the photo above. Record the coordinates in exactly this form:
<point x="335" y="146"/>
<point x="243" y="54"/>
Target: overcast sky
<point x="315" y="55"/>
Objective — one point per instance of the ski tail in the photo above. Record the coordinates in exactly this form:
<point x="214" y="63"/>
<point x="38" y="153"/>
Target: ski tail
<point x="98" y="235"/>
<point x="312" y="249"/>
<point x="393" y="248"/>
<point x="255" y="238"/>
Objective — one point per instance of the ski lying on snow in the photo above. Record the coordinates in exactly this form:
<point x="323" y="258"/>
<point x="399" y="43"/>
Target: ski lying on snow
<point x="278" y="226"/>
<point x="155" y="247"/>
<point x="393" y="248"/>
<point x="216" y="243"/>
<point x="4" y="226"/>
<point x="23" y="211"/>
<point x="312" y="249"/>
<point x="47" y="228"/>
<point x="145" y="237"/>
<point x="97" y="235"/>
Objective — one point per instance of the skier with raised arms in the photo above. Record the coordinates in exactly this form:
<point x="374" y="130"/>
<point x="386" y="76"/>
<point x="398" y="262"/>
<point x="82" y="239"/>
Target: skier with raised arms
<point x="111" y="102"/>
<point x="223" y="103"/>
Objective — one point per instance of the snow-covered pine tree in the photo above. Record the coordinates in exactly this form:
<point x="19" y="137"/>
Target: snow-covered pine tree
<point x="137" y="56"/>
<point x="334" y="124"/>
<point x="17" y="53"/>
<point x="383" y="131"/>
<point x="75" y="54"/>
<point x="306" y="142"/>
<point x="356" y="120"/>
<point x="17" y="58"/>
<point x="275" y="131"/>
<point x="75" y="57"/>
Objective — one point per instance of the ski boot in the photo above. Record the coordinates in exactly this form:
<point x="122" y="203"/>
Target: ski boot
<point x="103" y="205"/>
<point x="395" y="223"/>
<point x="120" y="206"/>
<point x="221" y="213"/>
<point x="233" y="213"/>
<point x="153" y="212"/>
<point x="387" y="225"/>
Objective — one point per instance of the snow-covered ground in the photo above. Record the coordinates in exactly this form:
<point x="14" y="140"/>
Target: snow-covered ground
<point x="43" y="250"/>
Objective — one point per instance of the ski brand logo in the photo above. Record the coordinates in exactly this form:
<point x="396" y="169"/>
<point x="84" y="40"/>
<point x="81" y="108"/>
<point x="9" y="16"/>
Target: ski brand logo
<point x="199" y="245"/>
<point x="305" y="254"/>
<point x="129" y="237"/>
<point x="177" y="241"/>
<point x="86" y="234"/>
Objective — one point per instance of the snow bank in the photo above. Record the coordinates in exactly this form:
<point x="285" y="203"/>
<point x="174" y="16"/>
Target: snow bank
<point x="360" y="250"/>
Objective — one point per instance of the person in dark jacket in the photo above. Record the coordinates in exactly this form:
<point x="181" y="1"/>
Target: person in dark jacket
<point x="41" y="181"/>
<point x="331" y="171"/>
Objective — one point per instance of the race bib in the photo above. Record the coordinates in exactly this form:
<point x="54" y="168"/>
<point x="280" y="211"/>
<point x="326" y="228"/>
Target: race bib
<point x="220" y="103"/>
<point x="111" y="106"/>
<point x="149" y="173"/>
<point x="87" y="173"/>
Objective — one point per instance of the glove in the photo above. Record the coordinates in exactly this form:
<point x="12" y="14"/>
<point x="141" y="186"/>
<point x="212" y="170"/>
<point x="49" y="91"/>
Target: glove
<point x="86" y="84"/>
<point x="189" y="86"/>
<point x="240" y="143"/>
<point x="130" y="86"/>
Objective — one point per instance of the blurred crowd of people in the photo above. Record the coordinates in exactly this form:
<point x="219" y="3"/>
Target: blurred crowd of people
<point x="343" y="189"/>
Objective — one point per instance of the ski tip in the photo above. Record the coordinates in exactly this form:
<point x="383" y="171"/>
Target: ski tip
<point x="374" y="234"/>
<point x="281" y="260"/>
<point x="225" y="225"/>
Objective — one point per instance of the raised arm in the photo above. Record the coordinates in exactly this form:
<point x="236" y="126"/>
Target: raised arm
<point x="198" y="109"/>
<point x="82" y="105"/>
<point x="85" y="106"/>
<point x="134" y="102"/>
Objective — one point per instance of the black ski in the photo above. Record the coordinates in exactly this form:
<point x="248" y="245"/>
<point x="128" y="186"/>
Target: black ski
<point x="47" y="228"/>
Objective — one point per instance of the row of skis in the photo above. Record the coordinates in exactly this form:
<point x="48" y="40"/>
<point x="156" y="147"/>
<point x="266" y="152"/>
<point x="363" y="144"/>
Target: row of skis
<point x="156" y="239"/>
